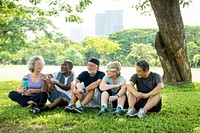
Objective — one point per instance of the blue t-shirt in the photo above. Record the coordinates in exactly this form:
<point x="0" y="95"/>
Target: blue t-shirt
<point x="109" y="81"/>
<point x="146" y="85"/>
<point x="87" y="79"/>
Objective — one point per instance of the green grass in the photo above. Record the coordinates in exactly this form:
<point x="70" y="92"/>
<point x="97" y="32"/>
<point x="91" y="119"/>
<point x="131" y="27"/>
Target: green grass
<point x="180" y="114"/>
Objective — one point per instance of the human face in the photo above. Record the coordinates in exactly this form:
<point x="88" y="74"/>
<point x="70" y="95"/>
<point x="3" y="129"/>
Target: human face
<point x="111" y="74"/>
<point x="92" y="68"/>
<point x="38" y="66"/>
<point x="65" y="68"/>
<point x="141" y="73"/>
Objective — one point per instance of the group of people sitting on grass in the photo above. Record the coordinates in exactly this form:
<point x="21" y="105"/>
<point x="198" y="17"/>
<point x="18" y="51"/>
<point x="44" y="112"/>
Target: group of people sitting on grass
<point x="91" y="88"/>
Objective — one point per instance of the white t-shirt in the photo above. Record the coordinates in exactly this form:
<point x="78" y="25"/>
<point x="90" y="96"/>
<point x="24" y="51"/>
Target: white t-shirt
<point x="69" y="92"/>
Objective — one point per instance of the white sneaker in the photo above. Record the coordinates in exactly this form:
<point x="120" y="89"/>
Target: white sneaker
<point x="141" y="113"/>
<point x="130" y="112"/>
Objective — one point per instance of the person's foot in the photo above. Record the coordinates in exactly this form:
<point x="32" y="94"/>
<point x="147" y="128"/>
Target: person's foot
<point x="140" y="114"/>
<point x="69" y="108"/>
<point x="31" y="104"/>
<point x="35" y="111"/>
<point x="118" y="111"/>
<point x="130" y="112"/>
<point x="78" y="109"/>
<point x="103" y="110"/>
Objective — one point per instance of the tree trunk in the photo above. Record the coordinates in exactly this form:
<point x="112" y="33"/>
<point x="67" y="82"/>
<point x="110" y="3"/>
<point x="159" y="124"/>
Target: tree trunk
<point x="170" y="41"/>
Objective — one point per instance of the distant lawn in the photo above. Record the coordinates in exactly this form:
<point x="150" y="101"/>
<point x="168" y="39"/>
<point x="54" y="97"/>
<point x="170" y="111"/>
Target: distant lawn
<point x="14" y="72"/>
<point x="180" y="114"/>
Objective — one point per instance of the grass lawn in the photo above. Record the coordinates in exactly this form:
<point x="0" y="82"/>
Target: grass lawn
<point x="180" y="114"/>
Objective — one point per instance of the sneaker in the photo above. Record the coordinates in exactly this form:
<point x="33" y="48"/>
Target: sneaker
<point x="103" y="110"/>
<point x="69" y="108"/>
<point x="141" y="113"/>
<point x="118" y="111"/>
<point x="78" y="109"/>
<point x="35" y="111"/>
<point x="130" y="112"/>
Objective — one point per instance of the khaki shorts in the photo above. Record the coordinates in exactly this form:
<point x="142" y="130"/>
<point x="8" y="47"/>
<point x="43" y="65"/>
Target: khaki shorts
<point x="96" y="100"/>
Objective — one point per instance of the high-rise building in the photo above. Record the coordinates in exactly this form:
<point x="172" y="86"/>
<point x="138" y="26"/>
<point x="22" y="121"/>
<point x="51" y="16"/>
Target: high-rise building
<point x="79" y="33"/>
<point x="108" y="22"/>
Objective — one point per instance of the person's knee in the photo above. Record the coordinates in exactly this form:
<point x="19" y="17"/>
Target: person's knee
<point x="58" y="99"/>
<point x="12" y="94"/>
<point x="158" y="97"/>
<point x="104" y="93"/>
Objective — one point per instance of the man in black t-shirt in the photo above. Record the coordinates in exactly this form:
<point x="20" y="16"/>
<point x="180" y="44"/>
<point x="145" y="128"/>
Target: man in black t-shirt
<point x="147" y="96"/>
<point x="86" y="88"/>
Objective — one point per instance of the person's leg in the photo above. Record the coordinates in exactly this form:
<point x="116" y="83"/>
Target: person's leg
<point x="152" y="101"/>
<point x="132" y="100"/>
<point x="74" y="98"/>
<point x="104" y="102"/>
<point x="87" y="98"/>
<point x="42" y="99"/>
<point x="104" y="98"/>
<point x="58" y="102"/>
<point x="22" y="100"/>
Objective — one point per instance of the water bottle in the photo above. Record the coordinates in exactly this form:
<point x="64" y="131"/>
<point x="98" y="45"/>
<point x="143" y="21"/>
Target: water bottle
<point x="25" y="82"/>
<point x="110" y="107"/>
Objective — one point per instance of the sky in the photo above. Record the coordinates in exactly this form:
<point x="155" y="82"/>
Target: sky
<point x="132" y="18"/>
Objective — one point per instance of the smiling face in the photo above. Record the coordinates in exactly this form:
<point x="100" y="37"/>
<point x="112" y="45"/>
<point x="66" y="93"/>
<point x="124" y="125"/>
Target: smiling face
<point x="141" y="73"/>
<point x="111" y="74"/>
<point x="65" y="68"/>
<point x="38" y="65"/>
<point x="92" y="68"/>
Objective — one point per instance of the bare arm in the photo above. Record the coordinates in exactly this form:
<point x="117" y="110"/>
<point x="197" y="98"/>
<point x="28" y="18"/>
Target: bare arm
<point x="62" y="86"/>
<point x="21" y="88"/>
<point x="93" y="85"/>
<point x="158" y="89"/>
<point x="104" y="86"/>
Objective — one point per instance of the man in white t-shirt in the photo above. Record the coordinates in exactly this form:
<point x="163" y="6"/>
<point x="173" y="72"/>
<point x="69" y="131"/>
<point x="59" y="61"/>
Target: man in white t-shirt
<point x="57" y="89"/>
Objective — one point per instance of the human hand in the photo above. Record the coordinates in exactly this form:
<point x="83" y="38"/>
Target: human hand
<point x="138" y="95"/>
<point x="27" y="92"/>
<point x="145" y="95"/>
<point x="78" y="91"/>
<point x="50" y="87"/>
<point x="113" y="98"/>
<point x="20" y="90"/>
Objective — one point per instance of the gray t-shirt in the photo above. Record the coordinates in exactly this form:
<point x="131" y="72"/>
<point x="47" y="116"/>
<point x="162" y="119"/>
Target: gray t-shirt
<point x="146" y="85"/>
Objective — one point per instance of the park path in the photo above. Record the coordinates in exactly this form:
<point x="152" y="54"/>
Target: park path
<point x="16" y="73"/>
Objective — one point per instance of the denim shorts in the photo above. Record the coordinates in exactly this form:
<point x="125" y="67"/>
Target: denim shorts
<point x="57" y="94"/>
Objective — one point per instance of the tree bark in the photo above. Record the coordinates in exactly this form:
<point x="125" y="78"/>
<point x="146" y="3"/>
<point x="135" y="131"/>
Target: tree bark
<point x="170" y="41"/>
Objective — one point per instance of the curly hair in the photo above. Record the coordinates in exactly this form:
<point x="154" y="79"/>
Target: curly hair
<point x="32" y="61"/>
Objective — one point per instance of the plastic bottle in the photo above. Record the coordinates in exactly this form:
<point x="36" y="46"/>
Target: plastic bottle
<point x="110" y="107"/>
<point x="25" y="82"/>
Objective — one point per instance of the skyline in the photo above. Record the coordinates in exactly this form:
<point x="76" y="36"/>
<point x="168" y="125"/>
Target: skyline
<point x="131" y="19"/>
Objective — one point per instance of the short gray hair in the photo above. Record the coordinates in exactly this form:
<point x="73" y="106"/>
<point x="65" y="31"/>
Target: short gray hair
<point x="32" y="60"/>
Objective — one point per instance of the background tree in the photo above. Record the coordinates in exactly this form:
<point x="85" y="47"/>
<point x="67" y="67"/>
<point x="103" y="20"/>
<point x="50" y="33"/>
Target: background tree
<point x="102" y="46"/>
<point x="170" y="40"/>
<point x="142" y="51"/>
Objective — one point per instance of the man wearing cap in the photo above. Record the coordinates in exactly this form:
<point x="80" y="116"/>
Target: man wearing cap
<point x="86" y="88"/>
<point x="57" y="89"/>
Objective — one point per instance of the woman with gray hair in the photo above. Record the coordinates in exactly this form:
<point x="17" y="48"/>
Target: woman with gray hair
<point x="113" y="89"/>
<point x="27" y="93"/>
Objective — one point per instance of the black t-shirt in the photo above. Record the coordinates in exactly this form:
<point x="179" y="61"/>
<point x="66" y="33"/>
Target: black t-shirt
<point x="146" y="85"/>
<point x="87" y="79"/>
